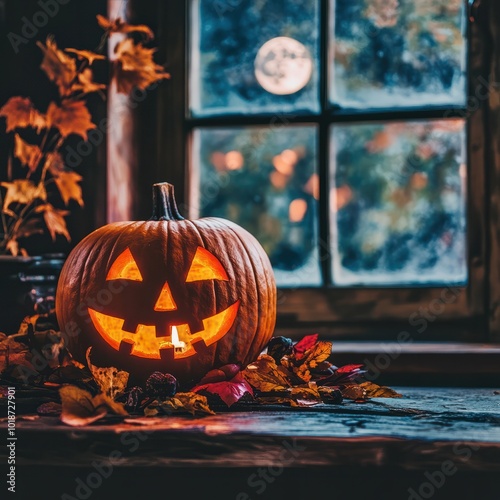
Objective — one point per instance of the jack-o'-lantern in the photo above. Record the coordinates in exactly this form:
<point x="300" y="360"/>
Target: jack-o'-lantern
<point x="169" y="294"/>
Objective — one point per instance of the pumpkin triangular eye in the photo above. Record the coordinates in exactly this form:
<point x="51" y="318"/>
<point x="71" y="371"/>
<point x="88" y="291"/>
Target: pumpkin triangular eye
<point x="124" y="268"/>
<point x="206" y="266"/>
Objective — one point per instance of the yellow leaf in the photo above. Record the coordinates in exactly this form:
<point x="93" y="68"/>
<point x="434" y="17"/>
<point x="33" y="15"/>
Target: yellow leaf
<point x="379" y="391"/>
<point x="187" y="402"/>
<point x="135" y="67"/>
<point x="86" y="82"/>
<point x="67" y="183"/>
<point x="23" y="191"/>
<point x="70" y="118"/>
<point x="86" y="54"/>
<point x="118" y="26"/>
<point x="28" y="154"/>
<point x="59" y="67"/>
<point x="265" y="375"/>
<point x="54" y="219"/>
<point x="20" y="113"/>
<point x="80" y="408"/>
<point x="110" y="380"/>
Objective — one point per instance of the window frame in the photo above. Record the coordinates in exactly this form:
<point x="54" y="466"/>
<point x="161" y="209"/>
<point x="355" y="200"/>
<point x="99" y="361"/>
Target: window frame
<point x="372" y="313"/>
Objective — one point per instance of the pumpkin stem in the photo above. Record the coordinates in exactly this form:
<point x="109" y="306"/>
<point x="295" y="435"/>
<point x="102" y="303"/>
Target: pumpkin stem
<point x="164" y="205"/>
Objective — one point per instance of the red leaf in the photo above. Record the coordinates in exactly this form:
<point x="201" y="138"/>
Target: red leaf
<point x="304" y="345"/>
<point x="348" y="369"/>
<point x="230" y="391"/>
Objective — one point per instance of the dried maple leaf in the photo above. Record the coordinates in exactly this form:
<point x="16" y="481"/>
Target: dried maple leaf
<point x="59" y="67"/>
<point x="54" y="163"/>
<point x="23" y="191"/>
<point x="265" y="375"/>
<point x="230" y="391"/>
<point x="86" y="83"/>
<point x="190" y="402"/>
<point x="110" y="380"/>
<point x="20" y="113"/>
<point x="379" y="391"/>
<point x="303" y="345"/>
<point x="118" y="26"/>
<point x="135" y="67"/>
<point x="54" y="219"/>
<point x="86" y="55"/>
<point x="67" y="183"/>
<point x="80" y="408"/>
<point x="70" y="118"/>
<point x="28" y="154"/>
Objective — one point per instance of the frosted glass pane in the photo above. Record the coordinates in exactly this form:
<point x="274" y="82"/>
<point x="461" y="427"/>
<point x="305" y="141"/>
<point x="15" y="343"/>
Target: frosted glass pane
<point x="390" y="53"/>
<point x="254" y="57"/>
<point x="398" y="203"/>
<point x="264" y="179"/>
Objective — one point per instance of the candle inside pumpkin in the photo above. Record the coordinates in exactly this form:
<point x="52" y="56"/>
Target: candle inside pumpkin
<point x="178" y="344"/>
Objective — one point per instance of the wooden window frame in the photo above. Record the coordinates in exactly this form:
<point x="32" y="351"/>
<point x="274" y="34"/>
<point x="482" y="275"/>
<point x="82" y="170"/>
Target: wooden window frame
<point x="362" y="313"/>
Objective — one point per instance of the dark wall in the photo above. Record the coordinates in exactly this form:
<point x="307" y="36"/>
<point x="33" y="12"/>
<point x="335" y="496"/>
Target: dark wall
<point x="73" y="25"/>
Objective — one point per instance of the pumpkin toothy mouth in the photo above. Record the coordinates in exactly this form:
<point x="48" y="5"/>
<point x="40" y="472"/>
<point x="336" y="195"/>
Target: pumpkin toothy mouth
<point x="146" y="344"/>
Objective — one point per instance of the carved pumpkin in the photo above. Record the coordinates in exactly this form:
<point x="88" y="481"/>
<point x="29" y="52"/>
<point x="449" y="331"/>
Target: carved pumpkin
<point x="168" y="294"/>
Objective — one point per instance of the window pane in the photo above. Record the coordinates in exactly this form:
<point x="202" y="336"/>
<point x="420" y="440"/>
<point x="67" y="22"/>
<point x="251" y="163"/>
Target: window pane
<point x="398" y="199"/>
<point x="390" y="53"/>
<point x="265" y="179"/>
<point x="254" y="57"/>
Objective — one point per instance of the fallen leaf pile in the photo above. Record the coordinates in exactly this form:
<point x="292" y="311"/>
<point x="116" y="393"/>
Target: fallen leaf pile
<point x="289" y="374"/>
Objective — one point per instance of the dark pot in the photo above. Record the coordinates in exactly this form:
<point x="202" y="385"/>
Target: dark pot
<point x="27" y="287"/>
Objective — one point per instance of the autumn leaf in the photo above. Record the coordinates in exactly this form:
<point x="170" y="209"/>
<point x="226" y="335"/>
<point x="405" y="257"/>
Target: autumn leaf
<point x="80" y="408"/>
<point x="230" y="391"/>
<point x="353" y="392"/>
<point x="28" y="154"/>
<point x="86" y="83"/>
<point x="135" y="67"/>
<point x="54" y="219"/>
<point x="110" y="380"/>
<point x="265" y="375"/>
<point x="54" y="163"/>
<point x="118" y="26"/>
<point x="86" y="55"/>
<point x="348" y="369"/>
<point x="379" y="391"/>
<point x="20" y="113"/>
<point x="190" y="402"/>
<point x="59" y="67"/>
<point x="12" y="246"/>
<point x="303" y="345"/>
<point x="70" y="118"/>
<point x="23" y="191"/>
<point x="67" y="183"/>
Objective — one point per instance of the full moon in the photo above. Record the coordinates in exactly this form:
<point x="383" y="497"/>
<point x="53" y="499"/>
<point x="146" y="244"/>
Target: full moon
<point x="283" y="66"/>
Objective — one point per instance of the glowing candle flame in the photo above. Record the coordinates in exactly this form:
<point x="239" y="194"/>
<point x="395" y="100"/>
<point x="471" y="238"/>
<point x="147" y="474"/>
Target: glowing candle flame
<point x="178" y="344"/>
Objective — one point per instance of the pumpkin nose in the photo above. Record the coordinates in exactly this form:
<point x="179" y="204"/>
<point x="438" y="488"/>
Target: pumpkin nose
<point x="165" y="301"/>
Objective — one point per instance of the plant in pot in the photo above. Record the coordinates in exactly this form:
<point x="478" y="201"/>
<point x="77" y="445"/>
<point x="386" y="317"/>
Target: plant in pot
<point x="40" y="189"/>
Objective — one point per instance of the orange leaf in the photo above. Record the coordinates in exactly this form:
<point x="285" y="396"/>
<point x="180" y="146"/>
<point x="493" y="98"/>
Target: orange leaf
<point x="55" y="163"/>
<point x="87" y="55"/>
<point x="54" y="218"/>
<point x="135" y="67"/>
<point x="28" y="154"/>
<point x="13" y="247"/>
<point x="23" y="191"/>
<point x="118" y="26"/>
<point x="70" y="118"/>
<point x="67" y="183"/>
<point x="59" y="67"/>
<point x="86" y="83"/>
<point x="20" y="112"/>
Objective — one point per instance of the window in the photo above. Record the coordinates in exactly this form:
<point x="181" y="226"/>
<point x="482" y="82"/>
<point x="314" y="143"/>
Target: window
<point x="349" y="137"/>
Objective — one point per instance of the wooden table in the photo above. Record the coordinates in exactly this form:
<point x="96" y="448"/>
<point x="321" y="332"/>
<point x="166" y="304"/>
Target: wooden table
<point x="381" y="449"/>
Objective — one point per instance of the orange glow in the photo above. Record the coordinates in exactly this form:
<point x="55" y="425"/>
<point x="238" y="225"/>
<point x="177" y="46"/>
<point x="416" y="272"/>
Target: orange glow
<point x="205" y="266"/>
<point x="312" y="186"/>
<point x="146" y="344"/>
<point x="124" y="268"/>
<point x="218" y="160"/>
<point x="279" y="181"/>
<point x="297" y="210"/>
<point x="234" y="160"/>
<point x="165" y="301"/>
<point x="340" y="197"/>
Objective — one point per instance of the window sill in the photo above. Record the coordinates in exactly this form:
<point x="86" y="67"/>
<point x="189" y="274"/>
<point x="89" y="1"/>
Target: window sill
<point x="424" y="363"/>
